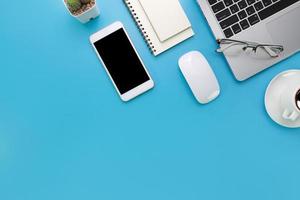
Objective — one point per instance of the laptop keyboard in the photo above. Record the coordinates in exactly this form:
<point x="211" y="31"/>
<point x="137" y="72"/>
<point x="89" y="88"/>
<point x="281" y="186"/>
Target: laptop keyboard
<point x="235" y="16"/>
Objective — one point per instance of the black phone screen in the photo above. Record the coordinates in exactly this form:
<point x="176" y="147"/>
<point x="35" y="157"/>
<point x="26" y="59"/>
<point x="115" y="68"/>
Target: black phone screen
<point x="121" y="61"/>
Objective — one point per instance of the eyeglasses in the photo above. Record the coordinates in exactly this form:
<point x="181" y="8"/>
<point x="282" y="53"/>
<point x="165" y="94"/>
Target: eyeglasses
<point x="272" y="50"/>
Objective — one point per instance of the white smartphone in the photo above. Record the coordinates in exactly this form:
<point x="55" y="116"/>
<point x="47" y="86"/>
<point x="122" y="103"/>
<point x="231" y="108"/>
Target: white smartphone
<point x="121" y="61"/>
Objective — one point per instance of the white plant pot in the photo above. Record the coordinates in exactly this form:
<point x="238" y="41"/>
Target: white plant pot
<point x="86" y="16"/>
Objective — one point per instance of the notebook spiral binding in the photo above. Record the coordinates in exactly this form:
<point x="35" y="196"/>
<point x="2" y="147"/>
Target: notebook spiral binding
<point x="140" y="25"/>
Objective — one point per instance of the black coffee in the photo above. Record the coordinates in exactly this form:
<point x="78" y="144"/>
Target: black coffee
<point x="298" y="99"/>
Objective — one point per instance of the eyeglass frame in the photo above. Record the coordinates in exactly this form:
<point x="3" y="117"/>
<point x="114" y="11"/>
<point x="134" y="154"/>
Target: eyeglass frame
<point x="251" y="45"/>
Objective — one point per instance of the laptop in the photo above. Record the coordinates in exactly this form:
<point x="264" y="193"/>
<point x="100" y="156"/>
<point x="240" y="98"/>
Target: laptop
<point x="273" y="22"/>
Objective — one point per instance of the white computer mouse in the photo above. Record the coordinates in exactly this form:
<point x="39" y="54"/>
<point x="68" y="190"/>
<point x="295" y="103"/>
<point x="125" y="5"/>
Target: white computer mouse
<point x="200" y="77"/>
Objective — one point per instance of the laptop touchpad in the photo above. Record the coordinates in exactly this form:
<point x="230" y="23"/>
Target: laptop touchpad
<point x="285" y="30"/>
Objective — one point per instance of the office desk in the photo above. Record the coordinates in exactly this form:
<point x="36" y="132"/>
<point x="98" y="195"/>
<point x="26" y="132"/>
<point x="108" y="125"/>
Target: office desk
<point x="65" y="134"/>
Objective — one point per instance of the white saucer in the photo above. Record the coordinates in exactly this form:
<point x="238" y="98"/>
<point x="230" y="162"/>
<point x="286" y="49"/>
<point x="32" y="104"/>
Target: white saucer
<point x="273" y="93"/>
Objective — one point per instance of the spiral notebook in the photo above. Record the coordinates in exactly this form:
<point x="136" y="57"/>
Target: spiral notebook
<point x="163" y="23"/>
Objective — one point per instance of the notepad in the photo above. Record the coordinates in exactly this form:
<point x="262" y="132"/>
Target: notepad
<point x="166" y="17"/>
<point x="163" y="23"/>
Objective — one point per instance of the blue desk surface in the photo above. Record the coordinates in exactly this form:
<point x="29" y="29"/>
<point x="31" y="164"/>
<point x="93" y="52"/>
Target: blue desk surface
<point x="65" y="134"/>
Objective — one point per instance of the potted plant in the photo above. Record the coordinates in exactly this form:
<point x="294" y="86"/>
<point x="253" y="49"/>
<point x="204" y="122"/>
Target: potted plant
<point x="83" y="10"/>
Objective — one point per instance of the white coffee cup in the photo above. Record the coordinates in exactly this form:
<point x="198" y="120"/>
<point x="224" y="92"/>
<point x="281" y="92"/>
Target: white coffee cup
<point x="290" y="103"/>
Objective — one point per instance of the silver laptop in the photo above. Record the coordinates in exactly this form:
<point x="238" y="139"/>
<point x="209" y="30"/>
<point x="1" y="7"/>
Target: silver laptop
<point x="263" y="21"/>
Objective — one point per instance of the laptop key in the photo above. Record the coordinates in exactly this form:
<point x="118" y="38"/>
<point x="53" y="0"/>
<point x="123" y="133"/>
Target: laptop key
<point x="223" y="14"/>
<point x="244" y="24"/>
<point x="242" y="4"/>
<point x="211" y="2"/>
<point x="267" y="2"/>
<point x="228" y="2"/>
<point x="229" y="21"/>
<point x="242" y="14"/>
<point x="236" y="28"/>
<point x="258" y="6"/>
<point x="251" y="2"/>
<point x="234" y="9"/>
<point x="228" y="33"/>
<point x="250" y="10"/>
<point x="254" y="19"/>
<point x="218" y="7"/>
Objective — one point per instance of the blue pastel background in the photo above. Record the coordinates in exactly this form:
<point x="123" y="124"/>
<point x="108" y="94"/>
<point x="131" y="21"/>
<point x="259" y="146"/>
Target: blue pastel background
<point x="65" y="134"/>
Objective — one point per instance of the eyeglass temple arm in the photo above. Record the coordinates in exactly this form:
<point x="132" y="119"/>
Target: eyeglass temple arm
<point x="222" y="48"/>
<point x="272" y="50"/>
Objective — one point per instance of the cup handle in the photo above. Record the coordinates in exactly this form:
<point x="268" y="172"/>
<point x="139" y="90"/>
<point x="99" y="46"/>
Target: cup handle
<point x="293" y="116"/>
